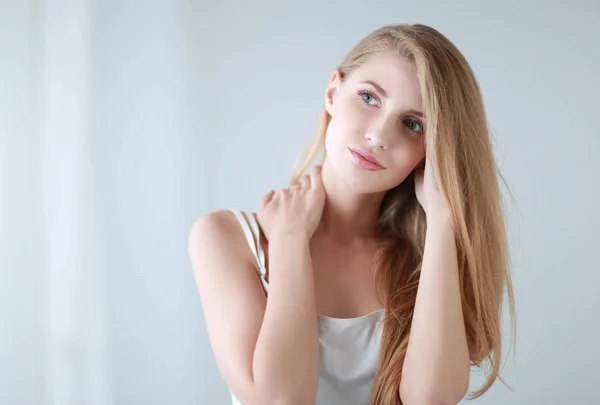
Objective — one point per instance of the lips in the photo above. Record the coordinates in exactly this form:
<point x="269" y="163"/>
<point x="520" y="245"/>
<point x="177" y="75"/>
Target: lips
<point x="365" y="159"/>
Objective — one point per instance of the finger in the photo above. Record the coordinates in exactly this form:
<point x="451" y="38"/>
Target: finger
<point x="266" y="199"/>
<point x="297" y="188"/>
<point x="305" y="181"/>
<point x="315" y="177"/>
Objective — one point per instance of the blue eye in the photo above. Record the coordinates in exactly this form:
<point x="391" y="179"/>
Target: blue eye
<point x="419" y="128"/>
<point x="368" y="98"/>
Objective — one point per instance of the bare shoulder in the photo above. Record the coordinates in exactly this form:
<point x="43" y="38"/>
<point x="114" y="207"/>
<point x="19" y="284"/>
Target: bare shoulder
<point x="232" y="297"/>
<point x="218" y="230"/>
<point x="218" y="249"/>
<point x="217" y="226"/>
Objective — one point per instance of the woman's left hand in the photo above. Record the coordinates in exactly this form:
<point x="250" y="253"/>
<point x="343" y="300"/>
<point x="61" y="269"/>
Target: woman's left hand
<point x="428" y="192"/>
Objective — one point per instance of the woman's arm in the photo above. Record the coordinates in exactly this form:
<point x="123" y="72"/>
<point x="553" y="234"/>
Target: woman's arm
<point x="286" y="357"/>
<point x="437" y="366"/>
<point x="267" y="350"/>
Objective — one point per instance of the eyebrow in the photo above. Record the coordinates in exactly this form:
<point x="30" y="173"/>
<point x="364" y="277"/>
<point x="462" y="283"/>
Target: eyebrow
<point x="384" y="94"/>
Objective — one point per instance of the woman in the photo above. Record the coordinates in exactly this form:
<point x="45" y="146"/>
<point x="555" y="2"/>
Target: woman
<point x="386" y="265"/>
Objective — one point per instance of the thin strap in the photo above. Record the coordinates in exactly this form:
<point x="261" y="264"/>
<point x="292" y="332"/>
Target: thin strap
<point x="252" y="232"/>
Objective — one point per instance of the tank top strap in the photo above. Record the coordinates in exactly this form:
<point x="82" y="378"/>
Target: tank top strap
<point x="252" y="231"/>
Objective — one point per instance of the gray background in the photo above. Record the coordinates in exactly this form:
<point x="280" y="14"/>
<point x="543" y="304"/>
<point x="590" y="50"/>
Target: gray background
<point x="123" y="121"/>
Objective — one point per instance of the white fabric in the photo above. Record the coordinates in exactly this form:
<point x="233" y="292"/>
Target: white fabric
<point x="349" y="347"/>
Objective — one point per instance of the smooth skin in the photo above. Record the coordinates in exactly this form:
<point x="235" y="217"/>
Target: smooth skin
<point x="319" y="237"/>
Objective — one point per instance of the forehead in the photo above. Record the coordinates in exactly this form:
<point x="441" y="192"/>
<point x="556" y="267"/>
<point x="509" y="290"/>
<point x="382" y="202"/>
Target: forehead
<point x="396" y="75"/>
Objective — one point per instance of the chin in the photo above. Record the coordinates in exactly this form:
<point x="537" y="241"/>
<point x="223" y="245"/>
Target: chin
<point x="364" y="182"/>
<point x="368" y="187"/>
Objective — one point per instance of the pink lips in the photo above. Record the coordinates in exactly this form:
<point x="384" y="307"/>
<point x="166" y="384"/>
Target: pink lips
<point x="365" y="159"/>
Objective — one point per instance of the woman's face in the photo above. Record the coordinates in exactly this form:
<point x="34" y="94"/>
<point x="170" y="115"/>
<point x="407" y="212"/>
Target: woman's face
<point x="375" y="112"/>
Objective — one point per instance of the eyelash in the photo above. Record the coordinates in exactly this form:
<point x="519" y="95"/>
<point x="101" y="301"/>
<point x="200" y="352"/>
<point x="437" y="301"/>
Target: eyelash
<point x="362" y="94"/>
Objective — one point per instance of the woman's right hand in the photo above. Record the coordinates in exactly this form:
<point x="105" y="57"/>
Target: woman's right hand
<point x="296" y="209"/>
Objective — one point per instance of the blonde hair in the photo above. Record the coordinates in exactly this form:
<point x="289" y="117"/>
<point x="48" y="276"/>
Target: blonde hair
<point x="458" y="145"/>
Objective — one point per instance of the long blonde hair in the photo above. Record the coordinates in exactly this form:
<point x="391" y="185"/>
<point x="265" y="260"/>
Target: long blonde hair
<point x="458" y="144"/>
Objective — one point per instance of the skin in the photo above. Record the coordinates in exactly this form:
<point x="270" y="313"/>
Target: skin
<point x="319" y="238"/>
<point x="436" y="369"/>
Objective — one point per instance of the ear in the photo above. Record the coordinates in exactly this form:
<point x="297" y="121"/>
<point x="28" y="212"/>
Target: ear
<point x="332" y="89"/>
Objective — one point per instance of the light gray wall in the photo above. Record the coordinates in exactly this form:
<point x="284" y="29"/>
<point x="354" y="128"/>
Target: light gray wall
<point x="21" y="340"/>
<point x="194" y="106"/>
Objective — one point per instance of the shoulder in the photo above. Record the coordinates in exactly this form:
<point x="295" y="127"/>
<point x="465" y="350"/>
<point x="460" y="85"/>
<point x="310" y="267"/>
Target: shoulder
<point x="232" y="297"/>
<point x="219" y="225"/>
<point x="216" y="231"/>
<point x="215" y="223"/>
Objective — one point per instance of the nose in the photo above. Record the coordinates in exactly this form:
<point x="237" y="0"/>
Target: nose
<point x="379" y="134"/>
<point x="374" y="140"/>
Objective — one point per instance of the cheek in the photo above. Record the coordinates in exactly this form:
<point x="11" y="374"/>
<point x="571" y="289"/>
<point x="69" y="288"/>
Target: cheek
<point x="350" y="115"/>
<point x="355" y="116"/>
<point x="407" y="159"/>
<point x="331" y="136"/>
<point x="347" y="125"/>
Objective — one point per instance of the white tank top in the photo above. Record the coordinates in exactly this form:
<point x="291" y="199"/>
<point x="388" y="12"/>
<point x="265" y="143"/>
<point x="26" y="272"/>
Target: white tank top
<point x="349" y="347"/>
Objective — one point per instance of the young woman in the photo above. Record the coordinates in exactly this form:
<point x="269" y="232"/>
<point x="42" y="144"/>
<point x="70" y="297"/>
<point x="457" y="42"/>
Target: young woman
<point x="385" y="265"/>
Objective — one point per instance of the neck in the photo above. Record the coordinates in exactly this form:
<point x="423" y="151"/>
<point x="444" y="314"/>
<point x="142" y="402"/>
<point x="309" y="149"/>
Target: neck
<point x="347" y="215"/>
